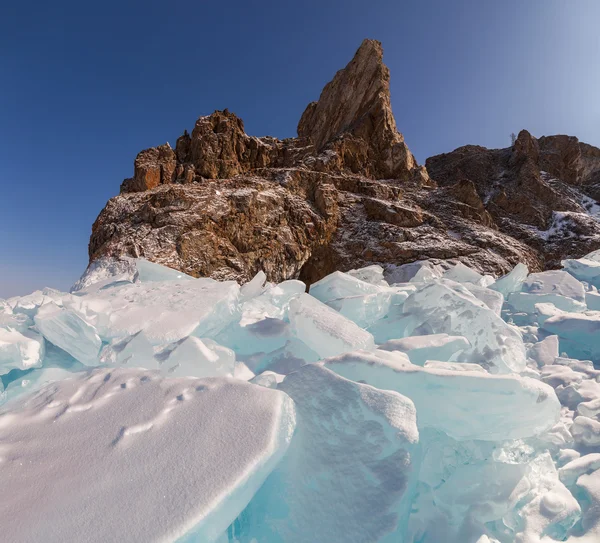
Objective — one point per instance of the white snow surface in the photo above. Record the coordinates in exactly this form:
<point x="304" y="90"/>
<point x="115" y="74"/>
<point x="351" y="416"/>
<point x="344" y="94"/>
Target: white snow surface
<point x="421" y="403"/>
<point x="129" y="455"/>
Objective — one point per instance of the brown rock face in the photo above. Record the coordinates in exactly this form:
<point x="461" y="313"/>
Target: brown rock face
<point x="540" y="191"/>
<point x="152" y="167"/>
<point x="355" y="104"/>
<point x="347" y="193"/>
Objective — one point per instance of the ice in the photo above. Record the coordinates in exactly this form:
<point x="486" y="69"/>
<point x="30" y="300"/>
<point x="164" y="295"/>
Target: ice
<point x="443" y="308"/>
<point x="525" y="302"/>
<point x="453" y="366"/>
<point x="545" y="351"/>
<point x="512" y="281"/>
<point x="106" y="272"/>
<point x="20" y="349"/>
<point x="124" y="454"/>
<point x="585" y="269"/>
<point x="198" y="358"/>
<point x="254" y="287"/>
<point x="268" y="379"/>
<point x="421" y="270"/>
<point x="432" y="347"/>
<point x="324" y="330"/>
<point x="494" y="300"/>
<point x="549" y="508"/>
<point x="67" y="330"/>
<point x="570" y="472"/>
<point x="463" y="274"/>
<point x="429" y="409"/>
<point x="360" y="301"/>
<point x="578" y="333"/>
<point x="347" y="474"/>
<point x="149" y="271"/>
<point x="508" y="406"/>
<point x="33" y="380"/>
<point x="556" y="287"/>
<point x="288" y="358"/>
<point x="371" y="274"/>
<point x="592" y="301"/>
<point x="134" y="351"/>
<point x="342" y="285"/>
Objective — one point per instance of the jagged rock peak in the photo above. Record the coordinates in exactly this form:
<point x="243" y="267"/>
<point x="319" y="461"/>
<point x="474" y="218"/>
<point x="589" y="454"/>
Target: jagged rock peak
<point x="360" y="89"/>
<point x="356" y="103"/>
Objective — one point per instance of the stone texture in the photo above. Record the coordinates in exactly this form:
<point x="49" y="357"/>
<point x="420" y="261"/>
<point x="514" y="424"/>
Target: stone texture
<point x="348" y="193"/>
<point x="540" y="191"/>
<point x="354" y="109"/>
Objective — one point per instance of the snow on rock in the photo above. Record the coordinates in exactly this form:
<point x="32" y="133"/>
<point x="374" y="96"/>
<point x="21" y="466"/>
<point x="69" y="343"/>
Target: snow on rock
<point x="117" y="454"/>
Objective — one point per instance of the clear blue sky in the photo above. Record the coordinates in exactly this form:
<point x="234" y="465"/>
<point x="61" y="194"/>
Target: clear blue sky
<point x="84" y="86"/>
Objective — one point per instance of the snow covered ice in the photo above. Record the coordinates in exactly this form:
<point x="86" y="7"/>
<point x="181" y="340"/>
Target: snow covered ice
<point x="112" y="453"/>
<point x="424" y="403"/>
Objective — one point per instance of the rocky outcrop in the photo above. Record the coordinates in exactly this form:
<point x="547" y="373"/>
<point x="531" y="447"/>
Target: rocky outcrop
<point x="355" y="105"/>
<point x="347" y="193"/>
<point x="541" y="191"/>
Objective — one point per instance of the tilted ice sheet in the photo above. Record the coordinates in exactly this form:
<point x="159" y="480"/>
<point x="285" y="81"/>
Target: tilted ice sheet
<point x="362" y="302"/>
<point x="20" y="348"/>
<point x="109" y="271"/>
<point x="475" y="405"/>
<point x="441" y="347"/>
<point x="512" y="281"/>
<point x="127" y="455"/>
<point x="554" y="282"/>
<point x="578" y="332"/>
<point x="447" y="307"/>
<point x="555" y="286"/>
<point x="348" y="473"/>
<point x="585" y="269"/>
<point x="373" y="274"/>
<point x="166" y="311"/>
<point x="69" y="331"/>
<point x="324" y="330"/>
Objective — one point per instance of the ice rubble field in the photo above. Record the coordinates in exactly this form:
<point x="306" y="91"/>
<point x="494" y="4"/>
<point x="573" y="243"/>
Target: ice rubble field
<point x="423" y="404"/>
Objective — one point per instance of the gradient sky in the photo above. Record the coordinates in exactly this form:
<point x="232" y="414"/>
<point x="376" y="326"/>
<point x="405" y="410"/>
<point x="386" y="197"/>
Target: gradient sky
<point x="84" y="86"/>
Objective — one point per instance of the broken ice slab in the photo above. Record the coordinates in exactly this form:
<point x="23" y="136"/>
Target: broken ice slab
<point x="133" y="439"/>
<point x="507" y="406"/>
